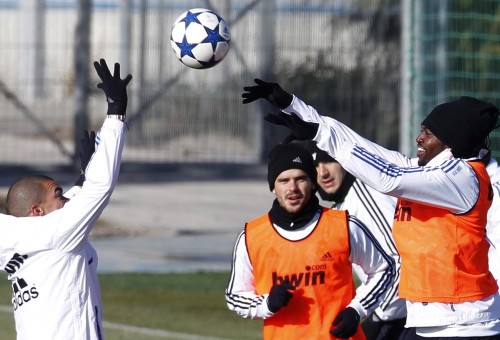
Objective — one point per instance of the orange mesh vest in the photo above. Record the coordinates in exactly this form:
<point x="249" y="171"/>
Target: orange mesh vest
<point x="444" y="256"/>
<point x="319" y="268"/>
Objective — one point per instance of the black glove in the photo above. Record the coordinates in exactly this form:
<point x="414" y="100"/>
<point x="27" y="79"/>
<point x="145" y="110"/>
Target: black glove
<point x="114" y="87"/>
<point x="279" y="296"/>
<point x="300" y="130"/>
<point x="87" y="150"/>
<point x="346" y="323"/>
<point x="270" y="91"/>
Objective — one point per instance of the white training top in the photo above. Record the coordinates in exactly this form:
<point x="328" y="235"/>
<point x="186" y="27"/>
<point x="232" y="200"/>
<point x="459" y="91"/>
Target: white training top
<point x="493" y="226"/>
<point x="241" y="296"/>
<point x="445" y="182"/>
<point x="376" y="211"/>
<point x="56" y="292"/>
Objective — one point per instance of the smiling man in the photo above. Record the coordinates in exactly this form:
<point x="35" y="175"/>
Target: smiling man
<point x="292" y="267"/>
<point x="443" y="199"/>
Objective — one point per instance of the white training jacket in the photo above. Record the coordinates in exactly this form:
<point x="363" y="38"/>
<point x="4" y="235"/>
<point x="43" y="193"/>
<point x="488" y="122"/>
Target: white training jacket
<point x="376" y="211"/>
<point x="56" y="292"/>
<point x="493" y="226"/>
<point x="241" y="296"/>
<point x="393" y="173"/>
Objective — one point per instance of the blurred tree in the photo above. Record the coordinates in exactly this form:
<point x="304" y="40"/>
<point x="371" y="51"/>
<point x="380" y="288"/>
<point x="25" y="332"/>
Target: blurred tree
<point x="365" y="97"/>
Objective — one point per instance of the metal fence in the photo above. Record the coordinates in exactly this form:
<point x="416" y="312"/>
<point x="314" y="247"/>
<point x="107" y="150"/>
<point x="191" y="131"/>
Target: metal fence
<point x="344" y="57"/>
<point x="450" y="48"/>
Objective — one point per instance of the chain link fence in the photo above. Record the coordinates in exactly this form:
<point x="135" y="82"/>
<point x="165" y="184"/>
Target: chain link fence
<point x="355" y="60"/>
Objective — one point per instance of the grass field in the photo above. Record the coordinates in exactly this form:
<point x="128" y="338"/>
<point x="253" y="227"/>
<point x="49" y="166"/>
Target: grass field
<point x="158" y="306"/>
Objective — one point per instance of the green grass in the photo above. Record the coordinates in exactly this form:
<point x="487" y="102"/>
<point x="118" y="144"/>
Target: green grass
<point x="190" y="303"/>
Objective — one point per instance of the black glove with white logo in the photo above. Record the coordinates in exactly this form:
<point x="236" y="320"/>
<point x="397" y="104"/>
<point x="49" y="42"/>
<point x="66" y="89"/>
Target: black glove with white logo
<point x="87" y="150"/>
<point x="300" y="130"/>
<point x="346" y="323"/>
<point x="270" y="91"/>
<point x="279" y="296"/>
<point x="114" y="87"/>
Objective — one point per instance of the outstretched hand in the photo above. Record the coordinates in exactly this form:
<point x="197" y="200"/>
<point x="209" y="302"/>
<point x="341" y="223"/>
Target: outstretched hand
<point x="270" y="91"/>
<point x="299" y="130"/>
<point x="113" y="86"/>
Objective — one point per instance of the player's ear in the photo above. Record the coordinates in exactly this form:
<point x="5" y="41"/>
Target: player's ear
<point x="36" y="210"/>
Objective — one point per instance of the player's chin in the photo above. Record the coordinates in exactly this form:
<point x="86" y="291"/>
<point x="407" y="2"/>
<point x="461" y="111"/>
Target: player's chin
<point x="329" y="189"/>
<point x="422" y="161"/>
<point x="294" y="207"/>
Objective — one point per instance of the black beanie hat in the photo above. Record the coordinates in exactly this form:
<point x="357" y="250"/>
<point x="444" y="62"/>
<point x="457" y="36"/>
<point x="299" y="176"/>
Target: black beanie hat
<point x="463" y="125"/>
<point x="289" y="156"/>
<point x="318" y="155"/>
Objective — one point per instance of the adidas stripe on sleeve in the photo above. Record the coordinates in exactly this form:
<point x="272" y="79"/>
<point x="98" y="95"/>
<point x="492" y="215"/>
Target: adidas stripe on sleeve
<point x="376" y="211"/>
<point x="241" y="296"/>
<point x="379" y="267"/>
<point x="391" y="172"/>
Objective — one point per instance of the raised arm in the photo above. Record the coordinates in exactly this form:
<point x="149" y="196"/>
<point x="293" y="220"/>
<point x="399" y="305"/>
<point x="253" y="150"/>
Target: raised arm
<point x="76" y="219"/>
<point x="389" y="172"/>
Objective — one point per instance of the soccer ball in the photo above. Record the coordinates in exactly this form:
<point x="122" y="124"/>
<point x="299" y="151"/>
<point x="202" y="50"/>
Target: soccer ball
<point x="200" y="38"/>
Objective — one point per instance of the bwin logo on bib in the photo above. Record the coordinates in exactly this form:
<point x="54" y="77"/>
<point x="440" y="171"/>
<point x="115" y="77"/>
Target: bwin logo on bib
<point x="21" y="293"/>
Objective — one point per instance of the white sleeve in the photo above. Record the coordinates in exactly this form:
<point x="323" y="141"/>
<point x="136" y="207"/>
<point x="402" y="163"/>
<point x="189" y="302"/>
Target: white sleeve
<point x="333" y="129"/>
<point x="241" y="296"/>
<point x="376" y="211"/>
<point x="493" y="232"/>
<point x="73" y="223"/>
<point x="452" y="184"/>
<point x="378" y="266"/>
<point x="72" y="192"/>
